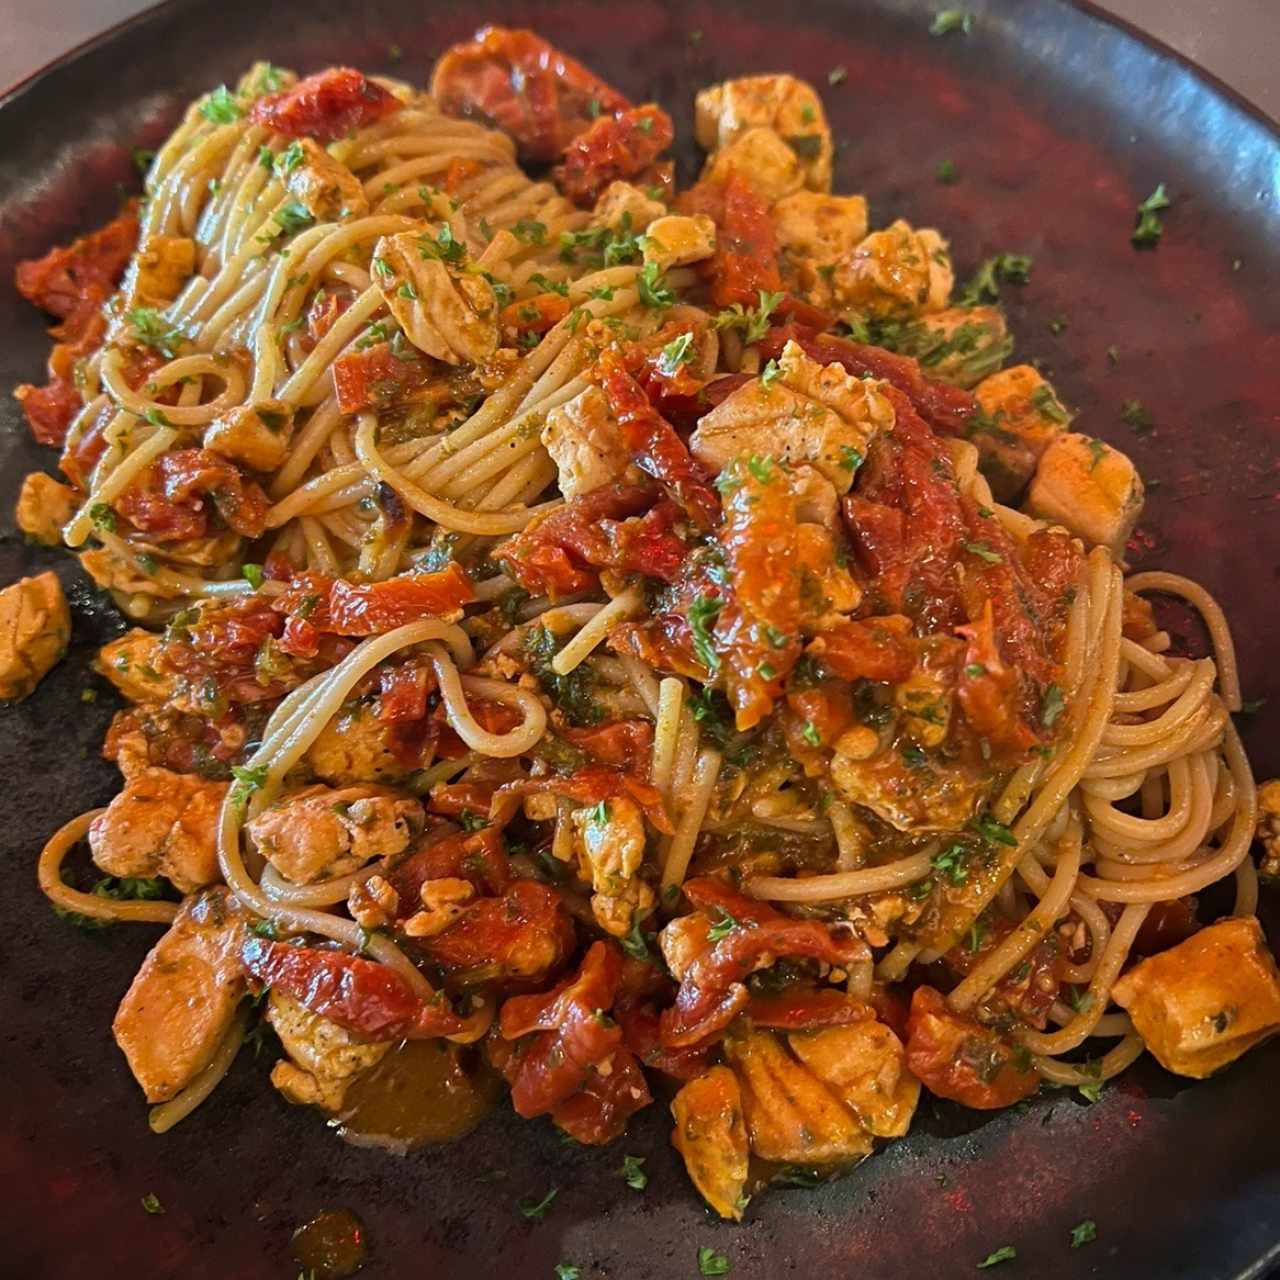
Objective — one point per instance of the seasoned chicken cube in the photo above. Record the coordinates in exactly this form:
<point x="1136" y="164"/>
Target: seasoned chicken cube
<point x="162" y="824"/>
<point x="114" y="572"/>
<point x="682" y="941"/>
<point x="1204" y="1003"/>
<point x="255" y="434"/>
<point x="810" y="414"/>
<point x="130" y="664"/>
<point x="356" y="747"/>
<point x="763" y="160"/>
<point x="792" y="1116"/>
<point x="711" y="1136"/>
<point x="820" y="228"/>
<point x="325" y="186"/>
<point x="1269" y="828"/>
<point x="320" y="833"/>
<point x="866" y="1065"/>
<point x="44" y="506"/>
<point x="584" y="443"/>
<point x="960" y="345"/>
<point x="895" y="272"/>
<point x="676" y="241"/>
<point x="450" y="314"/>
<point x="816" y="500"/>
<point x="1021" y="418"/>
<point x="623" y="207"/>
<point x="324" y="1058"/>
<point x="788" y="106"/>
<point x="936" y="797"/>
<point x="156" y="273"/>
<point x="183" y="999"/>
<point x="609" y="841"/>
<point x="35" y="629"/>
<point x="925" y="700"/>
<point x="1090" y="488"/>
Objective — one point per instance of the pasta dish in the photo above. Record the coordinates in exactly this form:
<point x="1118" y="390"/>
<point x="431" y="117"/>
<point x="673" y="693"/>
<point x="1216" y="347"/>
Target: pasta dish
<point x="600" y="642"/>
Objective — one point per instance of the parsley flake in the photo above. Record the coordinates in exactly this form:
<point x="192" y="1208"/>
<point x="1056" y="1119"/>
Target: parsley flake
<point x="1006" y="1253"/>
<point x="1148" y="229"/>
<point x="536" y="1210"/>
<point x="1085" y="1232"/>
<point x="946" y="21"/>
<point x="711" y="1263"/>
<point x="633" y="1174"/>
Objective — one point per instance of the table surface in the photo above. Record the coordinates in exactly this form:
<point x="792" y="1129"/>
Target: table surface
<point x="1237" y="40"/>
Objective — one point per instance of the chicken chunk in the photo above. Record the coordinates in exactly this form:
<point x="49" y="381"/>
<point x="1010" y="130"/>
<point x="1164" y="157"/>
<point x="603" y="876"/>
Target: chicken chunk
<point x="683" y="940"/>
<point x="676" y="240"/>
<point x="356" y="747"/>
<point x="811" y="413"/>
<point x="325" y="186"/>
<point x="320" y="833"/>
<point x="44" y="506"/>
<point x="1090" y="488"/>
<point x="938" y="796"/>
<point x="623" y="207"/>
<point x="35" y="629"/>
<point x="583" y="441"/>
<point x="763" y="160"/>
<point x="783" y="103"/>
<point x="156" y="273"/>
<point x="183" y="1000"/>
<point x="609" y="841"/>
<point x="1204" y="1003"/>
<point x="1269" y="828"/>
<point x="959" y="345"/>
<point x="130" y="664"/>
<point x="162" y="824"/>
<point x="711" y="1136"/>
<point x="324" y="1058"/>
<point x="866" y="1065"/>
<point x="818" y="227"/>
<point x="792" y="1116"/>
<point x="113" y="572"/>
<point x="255" y="434"/>
<point x="1021" y="418"/>
<point x="895" y="272"/>
<point x="450" y="314"/>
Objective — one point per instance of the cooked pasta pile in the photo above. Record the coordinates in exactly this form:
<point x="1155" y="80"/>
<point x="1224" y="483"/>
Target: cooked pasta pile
<point x="631" y="633"/>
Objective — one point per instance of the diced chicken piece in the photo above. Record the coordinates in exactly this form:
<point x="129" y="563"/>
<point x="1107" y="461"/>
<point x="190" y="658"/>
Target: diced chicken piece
<point x="623" y="207"/>
<point x="325" y="186"/>
<point x="1269" y="828"/>
<point x="159" y="269"/>
<point x="255" y="434"/>
<point x="895" y="272"/>
<point x="451" y="315"/>
<point x="827" y="587"/>
<point x="183" y="999"/>
<point x="792" y="1116"/>
<point x="583" y="441"/>
<point x="960" y="345"/>
<point x="814" y="232"/>
<point x="324" y="1058"/>
<point x="609" y="841"/>
<point x="816" y="500"/>
<point x="35" y="629"/>
<point x="1204" y="1003"/>
<point x="711" y="1136"/>
<point x="763" y="160"/>
<point x="811" y="413"/>
<point x="937" y="797"/>
<point x="320" y="833"/>
<point x="1090" y="488"/>
<point x="130" y="664"/>
<point x="788" y="106"/>
<point x="1021" y="418"/>
<point x="676" y="240"/>
<point x="682" y="941"/>
<point x="162" y="824"/>
<point x="113" y="572"/>
<point x="866" y="1065"/>
<point x="355" y="747"/>
<point x="925" y="700"/>
<point x="44" y="506"/>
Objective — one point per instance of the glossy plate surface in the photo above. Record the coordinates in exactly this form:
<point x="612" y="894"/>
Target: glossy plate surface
<point x="1058" y="124"/>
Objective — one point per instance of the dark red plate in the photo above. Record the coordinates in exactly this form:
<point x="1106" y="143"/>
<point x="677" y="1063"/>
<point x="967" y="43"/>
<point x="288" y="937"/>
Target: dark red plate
<point x="1057" y="123"/>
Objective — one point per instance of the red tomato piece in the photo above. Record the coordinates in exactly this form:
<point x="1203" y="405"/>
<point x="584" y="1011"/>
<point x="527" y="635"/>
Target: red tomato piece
<point x="375" y="378"/>
<point x="625" y="744"/>
<point x="746" y="259"/>
<point x="535" y="315"/>
<point x="326" y="106"/>
<point x="599" y="1111"/>
<point x="50" y="409"/>
<point x="613" y="148"/>
<point x="801" y="1008"/>
<point x="988" y="690"/>
<point x="878" y="649"/>
<point x="453" y="799"/>
<point x="957" y="1057"/>
<point x="588" y="786"/>
<point x="361" y="996"/>
<point x="479" y="856"/>
<point x="403" y="690"/>
<point x="168" y="501"/>
<point x="541" y="97"/>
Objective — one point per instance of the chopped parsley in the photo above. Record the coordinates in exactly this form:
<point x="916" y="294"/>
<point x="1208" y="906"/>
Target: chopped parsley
<point x="142" y="158"/>
<point x="754" y="323"/>
<point x="472" y="821"/>
<point x="837" y="75"/>
<point x="850" y="458"/>
<point x="636" y="944"/>
<point x="770" y="374"/>
<point x="946" y="172"/>
<point x="711" y="1263"/>
<point x="247" y="781"/>
<point x="761" y="469"/>
<point x="809" y="732"/>
<point x="1135" y="414"/>
<point x="530" y="231"/>
<point x="633" y="1173"/>
<point x="1004" y="268"/>
<point x="252" y="574"/>
<point x="702" y="615"/>
<point x="653" y="288"/>
<point x="550" y="286"/>
<point x="952" y="863"/>
<point x="1051" y="706"/>
<point x="1085" y="1232"/>
<point x="984" y="552"/>
<point x="677" y="352"/>
<point x="946" y="21"/>
<point x="722" y="927"/>
<point x="1148" y="229"/>
<point x="567" y="1271"/>
<point x="151" y="329"/>
<point x="289" y="159"/>
<point x="536" y="1210"/>
<point x="151" y="1203"/>
<point x="573" y="694"/>
<point x="220" y="107"/>
<point x="1006" y="1253"/>
<point x="442" y="246"/>
<point x="994" y="832"/>
<point x="293" y="217"/>
<point x="103" y="517"/>
<point x="1096" y="450"/>
<point x="1047" y="403"/>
